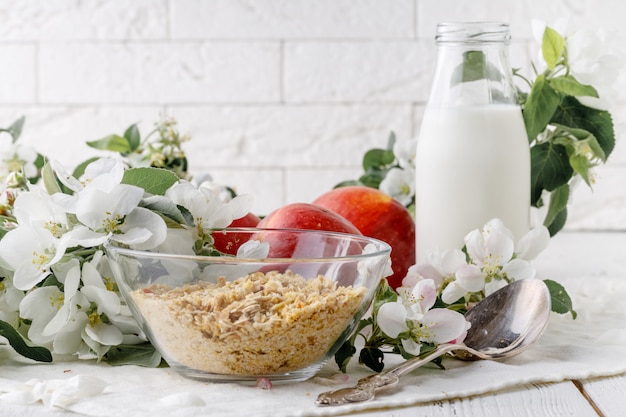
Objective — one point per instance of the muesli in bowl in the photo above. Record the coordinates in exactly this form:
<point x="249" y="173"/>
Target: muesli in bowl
<point x="278" y="310"/>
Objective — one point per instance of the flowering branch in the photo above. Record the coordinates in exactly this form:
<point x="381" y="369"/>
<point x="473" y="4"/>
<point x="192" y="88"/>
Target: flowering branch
<point x="428" y="308"/>
<point x="56" y="284"/>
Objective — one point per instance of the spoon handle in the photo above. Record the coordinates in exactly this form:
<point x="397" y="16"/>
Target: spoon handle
<point x="414" y="363"/>
<point x="366" y="388"/>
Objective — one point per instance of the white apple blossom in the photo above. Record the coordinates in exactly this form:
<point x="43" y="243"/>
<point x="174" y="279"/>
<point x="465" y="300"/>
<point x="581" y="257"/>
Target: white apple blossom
<point x="593" y="58"/>
<point x="413" y="319"/>
<point x="37" y="209"/>
<point x="108" y="209"/>
<point x="440" y="266"/>
<point x="115" y="214"/>
<point x="88" y="315"/>
<point x="206" y="207"/>
<point x="30" y="252"/>
<point x="400" y="184"/>
<point x="490" y="261"/>
<point x="405" y="153"/>
<point x="10" y="298"/>
<point x="104" y="172"/>
<point x="15" y="157"/>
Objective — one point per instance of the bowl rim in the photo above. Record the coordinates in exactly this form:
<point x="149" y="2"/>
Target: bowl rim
<point x="383" y="248"/>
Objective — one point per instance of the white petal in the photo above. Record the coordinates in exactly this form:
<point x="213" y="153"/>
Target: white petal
<point x="470" y="277"/>
<point x="68" y="273"/>
<point x="452" y="260"/>
<point x="178" y="241"/>
<point x="58" y="321"/>
<point x="96" y="207"/>
<point x="519" y="269"/>
<point x="107" y="301"/>
<point x="141" y="218"/>
<point x="68" y="340"/>
<point x="425" y="293"/>
<point x="411" y="346"/>
<point x="254" y="249"/>
<point x="494" y="285"/>
<point x="423" y="271"/>
<point x="91" y="276"/>
<point x="38" y="304"/>
<point x="446" y="325"/>
<point x="452" y="293"/>
<point x="392" y="319"/>
<point x="85" y="237"/>
<point x="475" y="245"/>
<point x="241" y="205"/>
<point x="76" y="388"/>
<point x="533" y="243"/>
<point x="105" y="334"/>
<point x="65" y="177"/>
<point x="500" y="245"/>
<point x="18" y="245"/>
<point x="65" y="201"/>
<point x="111" y="167"/>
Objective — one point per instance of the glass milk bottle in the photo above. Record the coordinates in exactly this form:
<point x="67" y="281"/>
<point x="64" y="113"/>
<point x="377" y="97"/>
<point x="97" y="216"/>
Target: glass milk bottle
<point x="473" y="155"/>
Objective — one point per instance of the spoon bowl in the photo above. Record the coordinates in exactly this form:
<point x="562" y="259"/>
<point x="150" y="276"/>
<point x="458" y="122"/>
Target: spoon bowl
<point x="504" y="324"/>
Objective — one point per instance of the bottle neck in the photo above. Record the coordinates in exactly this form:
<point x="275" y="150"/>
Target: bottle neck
<point x="472" y="66"/>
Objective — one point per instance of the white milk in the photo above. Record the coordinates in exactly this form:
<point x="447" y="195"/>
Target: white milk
<point x="473" y="164"/>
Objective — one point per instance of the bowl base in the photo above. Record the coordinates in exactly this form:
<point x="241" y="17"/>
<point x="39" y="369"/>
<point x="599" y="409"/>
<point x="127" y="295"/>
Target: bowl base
<point x="299" y="375"/>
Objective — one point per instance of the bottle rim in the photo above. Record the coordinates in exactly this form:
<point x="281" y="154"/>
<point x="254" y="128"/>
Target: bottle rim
<point x="473" y="33"/>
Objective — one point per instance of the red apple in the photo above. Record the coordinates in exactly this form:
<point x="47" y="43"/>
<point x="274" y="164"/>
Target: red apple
<point x="230" y="243"/>
<point x="377" y="215"/>
<point x="301" y="216"/>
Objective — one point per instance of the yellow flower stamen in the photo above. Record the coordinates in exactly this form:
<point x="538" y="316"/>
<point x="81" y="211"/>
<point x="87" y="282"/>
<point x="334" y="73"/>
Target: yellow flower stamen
<point x="94" y="319"/>
<point x="111" y="223"/>
<point x="40" y="259"/>
<point x="109" y="283"/>
<point x="57" y="301"/>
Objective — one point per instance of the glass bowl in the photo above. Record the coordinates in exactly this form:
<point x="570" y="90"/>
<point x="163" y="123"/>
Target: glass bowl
<point x="237" y="319"/>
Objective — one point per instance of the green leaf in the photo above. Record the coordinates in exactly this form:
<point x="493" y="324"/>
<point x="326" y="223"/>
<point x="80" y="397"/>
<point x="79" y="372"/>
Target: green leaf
<point x="373" y="358"/>
<point x="384" y="294"/>
<point x="344" y="354"/>
<point x="373" y="178"/>
<point x="561" y="301"/>
<point x="552" y="47"/>
<point x="585" y="141"/>
<point x="153" y="180"/>
<point x="37" y="353"/>
<point x="80" y="169"/>
<point x="347" y="183"/>
<point x="599" y="123"/>
<point x="133" y="137"/>
<point x="50" y="180"/>
<point x="558" y="222"/>
<point x="375" y="158"/>
<point x="141" y="355"/>
<point x="15" y="130"/>
<point x="473" y="68"/>
<point x="550" y="169"/>
<point x="570" y="86"/>
<point x="558" y="201"/>
<point x="167" y="208"/>
<point x="580" y="165"/>
<point x="540" y="106"/>
<point x="114" y="143"/>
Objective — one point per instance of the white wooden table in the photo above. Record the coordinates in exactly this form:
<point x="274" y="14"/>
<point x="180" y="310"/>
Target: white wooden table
<point x="579" y="255"/>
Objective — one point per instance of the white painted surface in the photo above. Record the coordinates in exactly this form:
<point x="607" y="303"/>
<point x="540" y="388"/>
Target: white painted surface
<point x="279" y="88"/>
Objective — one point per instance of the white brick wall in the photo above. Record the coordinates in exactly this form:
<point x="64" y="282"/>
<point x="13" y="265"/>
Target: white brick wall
<point x="281" y="97"/>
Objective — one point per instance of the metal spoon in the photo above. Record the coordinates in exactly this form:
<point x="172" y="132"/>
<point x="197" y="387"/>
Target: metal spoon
<point x="503" y="324"/>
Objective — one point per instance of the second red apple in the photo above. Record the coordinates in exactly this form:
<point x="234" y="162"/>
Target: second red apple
<point x="377" y="215"/>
